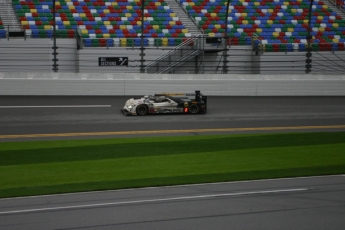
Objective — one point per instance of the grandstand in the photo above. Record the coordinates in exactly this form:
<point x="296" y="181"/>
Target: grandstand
<point x="255" y="28"/>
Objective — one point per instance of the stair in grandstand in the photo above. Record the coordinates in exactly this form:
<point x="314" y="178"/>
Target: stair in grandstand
<point x="176" y="57"/>
<point x="9" y="19"/>
<point x="335" y="8"/>
<point x="183" y="16"/>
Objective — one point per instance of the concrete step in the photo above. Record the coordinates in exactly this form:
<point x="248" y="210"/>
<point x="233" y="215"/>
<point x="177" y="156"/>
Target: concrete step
<point x="183" y="17"/>
<point x="331" y="4"/>
<point x="8" y="16"/>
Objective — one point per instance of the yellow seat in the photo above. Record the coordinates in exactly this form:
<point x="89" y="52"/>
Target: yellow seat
<point x="155" y="27"/>
<point x="290" y="29"/>
<point x="335" y="25"/>
<point x="129" y="7"/>
<point x="123" y="27"/>
<point x="123" y="41"/>
<point x="84" y="31"/>
<point x="107" y="23"/>
<point x="245" y="22"/>
<point x="184" y="31"/>
<point x="269" y="22"/>
<point x="114" y="3"/>
<point x="259" y="30"/>
<point x="211" y="35"/>
<point x="165" y="41"/>
<point x="24" y="23"/>
<point x="106" y="35"/>
<point x="172" y="23"/>
<point x="66" y="23"/>
<point x="106" y="11"/>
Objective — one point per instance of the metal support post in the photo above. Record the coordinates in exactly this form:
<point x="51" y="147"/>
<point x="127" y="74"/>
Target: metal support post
<point x="225" y="58"/>
<point x="309" y="37"/>
<point x="142" y="37"/>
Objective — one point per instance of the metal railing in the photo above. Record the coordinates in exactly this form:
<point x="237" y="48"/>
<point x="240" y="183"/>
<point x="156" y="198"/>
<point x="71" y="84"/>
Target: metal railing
<point x="178" y="55"/>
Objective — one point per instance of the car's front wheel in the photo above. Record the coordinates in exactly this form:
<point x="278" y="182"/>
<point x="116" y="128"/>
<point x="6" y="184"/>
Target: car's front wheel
<point x="194" y="109"/>
<point x="142" y="110"/>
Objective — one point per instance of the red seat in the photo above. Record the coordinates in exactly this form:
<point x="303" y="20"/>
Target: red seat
<point x="322" y="46"/>
<point x="275" y="47"/>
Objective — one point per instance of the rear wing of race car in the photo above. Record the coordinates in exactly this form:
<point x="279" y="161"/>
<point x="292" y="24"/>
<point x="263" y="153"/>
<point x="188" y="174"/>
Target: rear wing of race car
<point x="199" y="97"/>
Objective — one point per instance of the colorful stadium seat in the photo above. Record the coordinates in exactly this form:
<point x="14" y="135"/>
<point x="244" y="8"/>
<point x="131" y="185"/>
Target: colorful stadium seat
<point x="275" y="21"/>
<point x="100" y="19"/>
<point x="118" y="22"/>
<point x="2" y="30"/>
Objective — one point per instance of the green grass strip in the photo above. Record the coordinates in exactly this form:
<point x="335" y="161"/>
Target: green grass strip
<point x="46" y="167"/>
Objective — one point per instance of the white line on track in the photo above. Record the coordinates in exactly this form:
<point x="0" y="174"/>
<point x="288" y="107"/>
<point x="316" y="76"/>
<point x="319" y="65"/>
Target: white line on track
<point x="54" y="106"/>
<point x="155" y="200"/>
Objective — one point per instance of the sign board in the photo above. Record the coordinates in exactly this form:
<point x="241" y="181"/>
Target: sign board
<point x="113" y="61"/>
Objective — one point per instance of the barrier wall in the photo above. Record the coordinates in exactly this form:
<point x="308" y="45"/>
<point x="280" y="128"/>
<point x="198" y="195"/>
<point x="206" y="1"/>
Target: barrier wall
<point x="144" y="84"/>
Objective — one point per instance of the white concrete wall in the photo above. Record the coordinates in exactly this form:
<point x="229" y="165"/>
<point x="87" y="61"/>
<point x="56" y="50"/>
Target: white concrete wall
<point x="143" y="84"/>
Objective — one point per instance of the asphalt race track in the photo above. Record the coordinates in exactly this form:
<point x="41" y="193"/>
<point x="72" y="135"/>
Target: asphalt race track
<point x="58" y="117"/>
<point x="285" y="204"/>
<point x="297" y="203"/>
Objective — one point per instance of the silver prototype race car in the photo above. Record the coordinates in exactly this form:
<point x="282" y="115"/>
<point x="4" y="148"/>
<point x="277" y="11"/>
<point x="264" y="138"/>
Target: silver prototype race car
<point x="192" y="103"/>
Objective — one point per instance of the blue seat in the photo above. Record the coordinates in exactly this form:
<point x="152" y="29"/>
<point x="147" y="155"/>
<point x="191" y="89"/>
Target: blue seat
<point x="2" y="33"/>
<point x="35" y="33"/>
<point x="301" y="47"/>
<point x="289" y="47"/>
<point x="110" y="42"/>
<point x="335" y="46"/>
<point x="171" y="41"/>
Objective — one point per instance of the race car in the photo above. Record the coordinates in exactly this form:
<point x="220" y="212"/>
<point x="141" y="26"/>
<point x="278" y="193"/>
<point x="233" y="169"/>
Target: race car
<point x="189" y="103"/>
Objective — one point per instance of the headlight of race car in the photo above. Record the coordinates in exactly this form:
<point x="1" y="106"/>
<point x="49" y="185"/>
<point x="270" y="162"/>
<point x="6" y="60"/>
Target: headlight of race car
<point x="130" y="107"/>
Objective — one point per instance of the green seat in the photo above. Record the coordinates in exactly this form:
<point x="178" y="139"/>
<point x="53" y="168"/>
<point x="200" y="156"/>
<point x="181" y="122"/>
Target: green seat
<point x="282" y="47"/>
<point x="129" y="42"/>
<point x="178" y="41"/>
<point x="158" y="42"/>
<point x="268" y="48"/>
<point x="315" y="47"/>
<point x="95" y="42"/>
<point x="42" y="34"/>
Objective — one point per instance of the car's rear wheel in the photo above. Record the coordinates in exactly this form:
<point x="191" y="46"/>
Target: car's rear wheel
<point x="142" y="110"/>
<point x="194" y="109"/>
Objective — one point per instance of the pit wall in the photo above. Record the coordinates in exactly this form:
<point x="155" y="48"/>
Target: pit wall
<point x="118" y="84"/>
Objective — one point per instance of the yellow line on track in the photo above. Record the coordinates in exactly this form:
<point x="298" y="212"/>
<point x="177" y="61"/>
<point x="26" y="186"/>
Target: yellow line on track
<point x="172" y="131"/>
